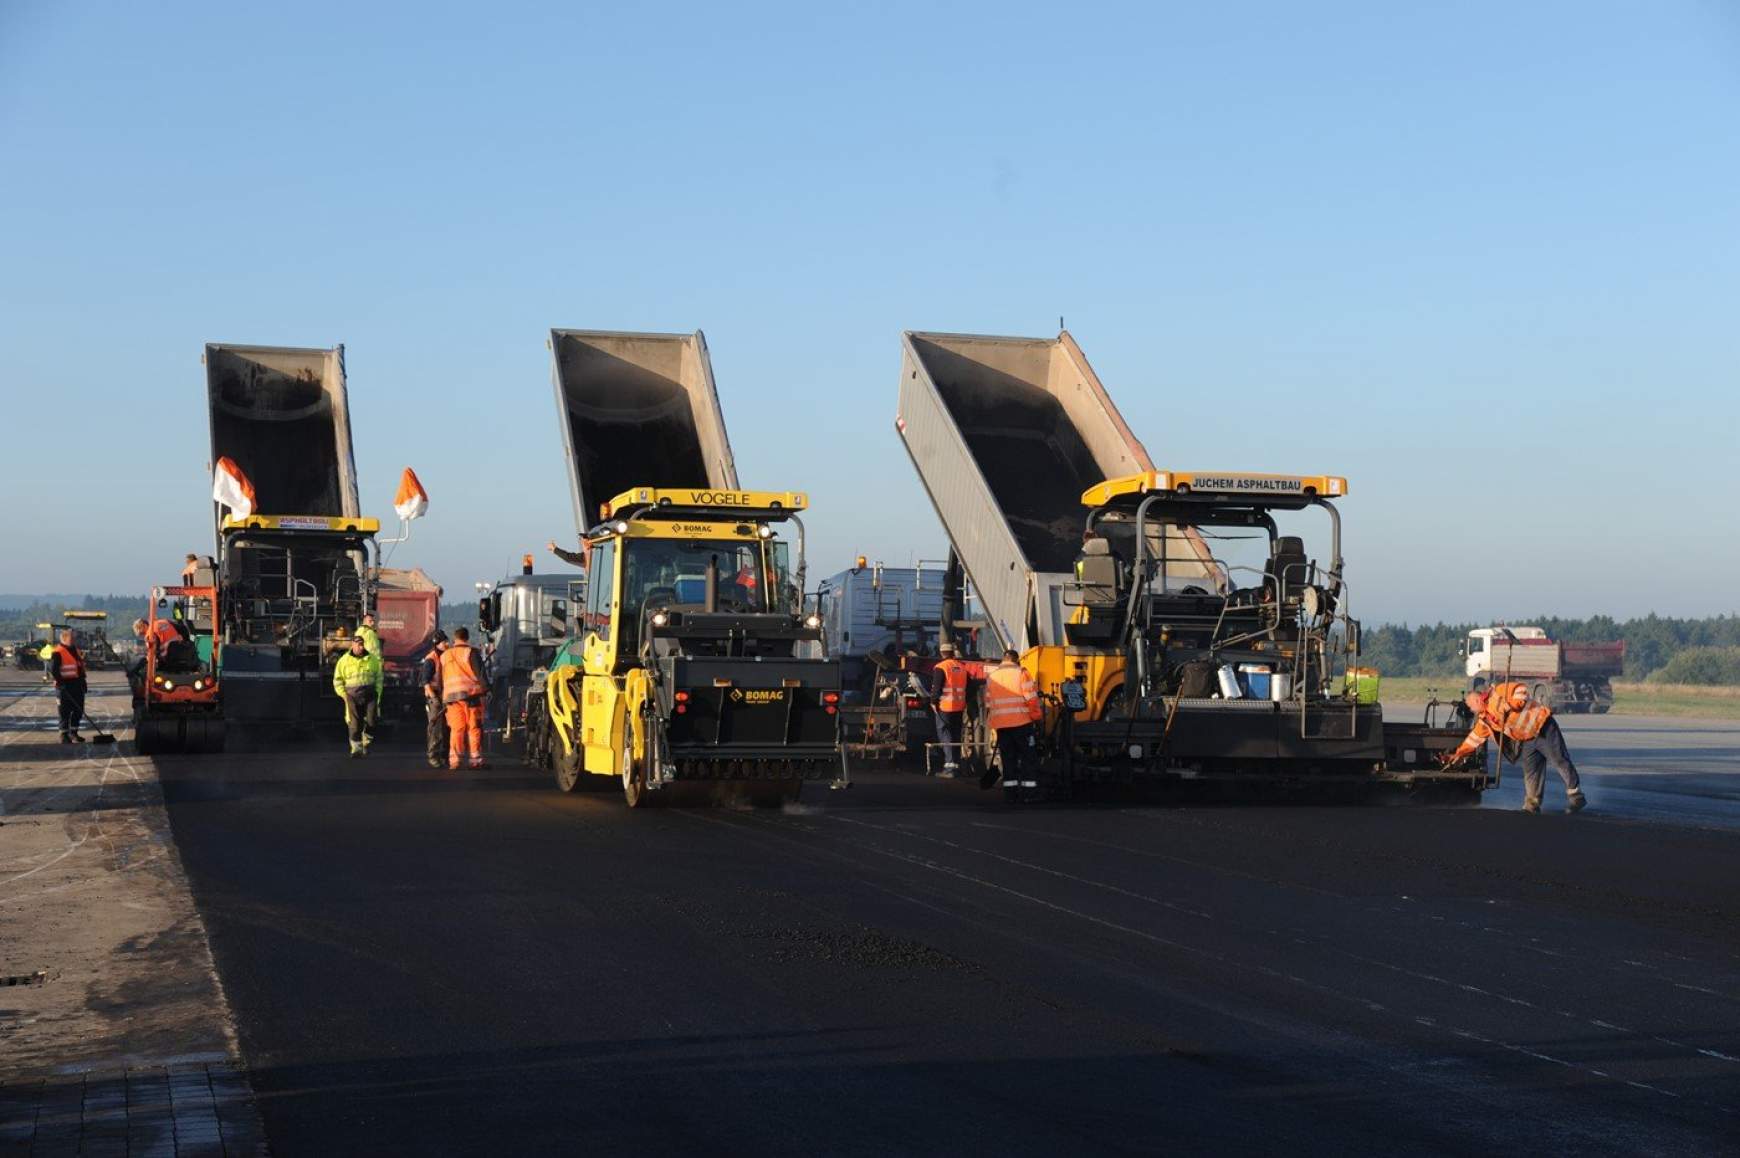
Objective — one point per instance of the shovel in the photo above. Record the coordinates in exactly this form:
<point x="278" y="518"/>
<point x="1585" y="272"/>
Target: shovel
<point x="98" y="736"/>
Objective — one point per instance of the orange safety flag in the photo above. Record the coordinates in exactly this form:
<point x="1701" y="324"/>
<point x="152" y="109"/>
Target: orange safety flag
<point x="231" y="487"/>
<point x="412" y="501"/>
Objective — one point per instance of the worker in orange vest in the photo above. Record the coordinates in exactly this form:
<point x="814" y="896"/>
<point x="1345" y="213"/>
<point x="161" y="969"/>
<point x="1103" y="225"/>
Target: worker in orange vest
<point x="1528" y="735"/>
<point x="66" y="667"/>
<point x="1011" y="710"/>
<point x="948" y="699"/>
<point x="157" y="636"/>
<point x="154" y="641"/>
<point x="463" y="691"/>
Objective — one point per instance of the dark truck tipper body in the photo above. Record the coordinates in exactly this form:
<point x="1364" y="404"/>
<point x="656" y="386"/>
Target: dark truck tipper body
<point x="407" y="605"/>
<point x="637" y="410"/>
<point x="292" y="577"/>
<point x="1165" y="643"/>
<point x="692" y="660"/>
<point x="1567" y="677"/>
<point x="1006" y="434"/>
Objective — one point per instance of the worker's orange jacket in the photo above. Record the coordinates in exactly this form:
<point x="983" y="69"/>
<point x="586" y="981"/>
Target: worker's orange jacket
<point x="68" y="664"/>
<point x="160" y="635"/>
<point x="1011" y="697"/>
<point x="459" y="676"/>
<point x="954" y="686"/>
<point x="1509" y="713"/>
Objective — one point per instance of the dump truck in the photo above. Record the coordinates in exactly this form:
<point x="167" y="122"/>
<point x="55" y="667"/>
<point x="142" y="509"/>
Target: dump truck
<point x="1176" y="624"/>
<point x="872" y="614"/>
<point x="884" y="625"/>
<point x="522" y="621"/>
<point x="407" y="607"/>
<point x="1567" y="677"/>
<point x="293" y="577"/>
<point x="693" y="663"/>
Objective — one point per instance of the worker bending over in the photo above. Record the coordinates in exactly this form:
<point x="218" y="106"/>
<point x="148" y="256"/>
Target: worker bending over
<point x="1011" y="710"/>
<point x="358" y="679"/>
<point x="948" y="697"/>
<point x="154" y="642"/>
<point x="66" y="667"/>
<point x="1528" y="735"/>
<point x="430" y="677"/>
<point x="157" y="636"/>
<point x="463" y="693"/>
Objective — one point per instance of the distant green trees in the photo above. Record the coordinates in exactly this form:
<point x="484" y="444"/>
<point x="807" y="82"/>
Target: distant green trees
<point x="1701" y="665"/>
<point x="18" y="623"/>
<point x="1652" y="643"/>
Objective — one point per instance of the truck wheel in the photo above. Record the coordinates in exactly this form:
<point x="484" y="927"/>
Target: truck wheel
<point x="569" y="767"/>
<point x="634" y="790"/>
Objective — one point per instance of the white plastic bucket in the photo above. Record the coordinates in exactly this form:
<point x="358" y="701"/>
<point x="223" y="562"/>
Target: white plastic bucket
<point x="1229" y="682"/>
<point x="1280" y="686"/>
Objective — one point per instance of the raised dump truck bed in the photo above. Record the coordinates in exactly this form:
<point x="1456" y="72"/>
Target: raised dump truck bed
<point x="282" y="414"/>
<point x="637" y="408"/>
<point x="1006" y="434"/>
<point x="291" y="578"/>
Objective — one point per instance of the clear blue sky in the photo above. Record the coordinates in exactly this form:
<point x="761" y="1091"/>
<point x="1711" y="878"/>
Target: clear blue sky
<point x="1483" y="259"/>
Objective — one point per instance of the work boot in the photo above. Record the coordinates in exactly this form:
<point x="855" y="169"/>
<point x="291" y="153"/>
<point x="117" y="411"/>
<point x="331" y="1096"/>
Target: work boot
<point x="1576" y="801"/>
<point x="434" y="763"/>
<point x="1531" y="805"/>
<point x="66" y="737"/>
<point x="356" y="749"/>
<point x="479" y="763"/>
<point x="453" y="765"/>
<point x="78" y="739"/>
<point x="947" y="773"/>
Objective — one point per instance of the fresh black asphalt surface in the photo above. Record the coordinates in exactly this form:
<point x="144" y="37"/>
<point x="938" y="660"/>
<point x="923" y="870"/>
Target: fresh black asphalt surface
<point x="473" y="963"/>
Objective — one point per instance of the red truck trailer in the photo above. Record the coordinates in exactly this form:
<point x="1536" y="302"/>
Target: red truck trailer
<point x="407" y="613"/>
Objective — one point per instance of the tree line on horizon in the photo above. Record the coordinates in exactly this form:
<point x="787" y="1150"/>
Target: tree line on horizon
<point x="1664" y="649"/>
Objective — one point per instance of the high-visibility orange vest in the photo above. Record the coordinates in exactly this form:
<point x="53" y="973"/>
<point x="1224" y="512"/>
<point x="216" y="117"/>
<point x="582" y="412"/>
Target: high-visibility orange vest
<point x="67" y="664"/>
<point x="1011" y="697"/>
<point x="1501" y="698"/>
<point x="1525" y="724"/>
<point x="458" y="680"/>
<point x="954" y="689"/>
<point x="1508" y="713"/>
<point x="161" y="634"/>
